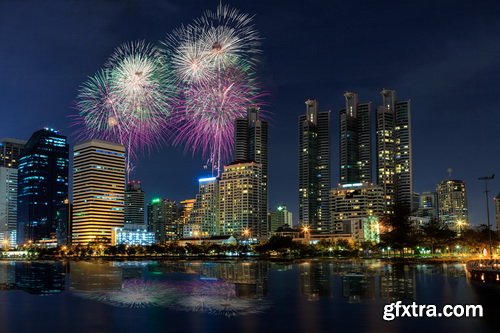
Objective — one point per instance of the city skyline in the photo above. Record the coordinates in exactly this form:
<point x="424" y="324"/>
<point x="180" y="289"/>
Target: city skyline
<point x="447" y="122"/>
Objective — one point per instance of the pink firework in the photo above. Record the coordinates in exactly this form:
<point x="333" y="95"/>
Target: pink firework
<point x="205" y="121"/>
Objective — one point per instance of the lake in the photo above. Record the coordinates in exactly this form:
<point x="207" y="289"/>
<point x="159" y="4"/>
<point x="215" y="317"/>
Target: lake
<point x="235" y="296"/>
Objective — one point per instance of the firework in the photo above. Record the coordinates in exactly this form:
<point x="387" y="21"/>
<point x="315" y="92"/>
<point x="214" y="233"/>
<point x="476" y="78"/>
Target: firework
<point x="213" y="62"/>
<point x="223" y="306"/>
<point x="136" y="294"/>
<point x="129" y="101"/>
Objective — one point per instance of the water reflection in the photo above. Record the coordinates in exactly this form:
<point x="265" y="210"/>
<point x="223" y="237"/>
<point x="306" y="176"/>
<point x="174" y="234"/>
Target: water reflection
<point x="228" y="288"/>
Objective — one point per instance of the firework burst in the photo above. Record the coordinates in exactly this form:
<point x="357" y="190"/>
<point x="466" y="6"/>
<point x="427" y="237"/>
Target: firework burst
<point x="129" y="101"/>
<point x="213" y="61"/>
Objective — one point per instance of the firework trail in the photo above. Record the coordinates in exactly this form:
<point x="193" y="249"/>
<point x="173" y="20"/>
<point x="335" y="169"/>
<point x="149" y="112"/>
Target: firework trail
<point x="213" y="60"/>
<point x="129" y="101"/>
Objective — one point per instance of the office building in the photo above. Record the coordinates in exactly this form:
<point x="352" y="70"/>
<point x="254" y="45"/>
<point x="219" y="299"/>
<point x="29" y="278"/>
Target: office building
<point x="42" y="186"/>
<point x="204" y="217"/>
<point x="394" y="152"/>
<point x="452" y="201"/>
<point x="98" y="191"/>
<point x="163" y="219"/>
<point x="251" y="145"/>
<point x="8" y="204"/>
<point x="428" y="205"/>
<point x="240" y="200"/>
<point x="280" y="217"/>
<point x="314" y="168"/>
<point x="134" y="203"/>
<point x="132" y="234"/>
<point x="355" y="141"/>
<point x="10" y="152"/>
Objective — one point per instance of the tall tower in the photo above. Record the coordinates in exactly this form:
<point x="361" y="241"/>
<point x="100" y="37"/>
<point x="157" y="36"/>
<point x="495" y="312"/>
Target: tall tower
<point x="163" y="219"/>
<point x="314" y="168"/>
<point x="240" y="197"/>
<point x="205" y="214"/>
<point x="10" y="152"/>
<point x="42" y="186"/>
<point x="394" y="152"/>
<point x="452" y="203"/>
<point x="8" y="203"/>
<point x="134" y="203"/>
<point x="355" y="141"/>
<point x="251" y="145"/>
<point x="98" y="191"/>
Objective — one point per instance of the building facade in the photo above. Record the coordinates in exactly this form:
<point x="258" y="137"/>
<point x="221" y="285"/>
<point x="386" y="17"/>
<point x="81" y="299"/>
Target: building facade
<point x="8" y="204"/>
<point x="10" y="152"/>
<point x="240" y="200"/>
<point x="204" y="217"/>
<point x="428" y="205"/>
<point x="280" y="217"/>
<point x="98" y="191"/>
<point x="452" y="201"/>
<point x="134" y="203"/>
<point x="314" y="168"/>
<point x="355" y="141"/>
<point x="394" y="152"/>
<point x="163" y="220"/>
<point x="42" y="186"/>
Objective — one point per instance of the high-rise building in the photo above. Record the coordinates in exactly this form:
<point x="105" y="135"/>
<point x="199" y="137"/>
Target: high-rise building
<point x="186" y="208"/>
<point x="240" y="200"/>
<point x="10" y="152"/>
<point x="134" y="203"/>
<point x="42" y="186"/>
<point x="8" y="204"/>
<point x="98" y="191"/>
<point x="251" y="145"/>
<point x="428" y="206"/>
<point x="355" y="141"/>
<point x="205" y="215"/>
<point x="314" y="168"/>
<point x="163" y="219"/>
<point x="394" y="152"/>
<point x="452" y="202"/>
<point x="279" y="217"/>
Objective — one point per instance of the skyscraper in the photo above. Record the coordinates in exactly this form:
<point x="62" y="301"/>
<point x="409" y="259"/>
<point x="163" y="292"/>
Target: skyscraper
<point x="205" y="213"/>
<point x="8" y="203"/>
<point x="10" y="151"/>
<point x="452" y="203"/>
<point x="240" y="197"/>
<point x="134" y="203"/>
<point x="280" y="217"/>
<point x="251" y="145"/>
<point x="355" y="141"/>
<point x="42" y="186"/>
<point x="314" y="168"/>
<point x="394" y="152"/>
<point x="98" y="191"/>
<point x="163" y="216"/>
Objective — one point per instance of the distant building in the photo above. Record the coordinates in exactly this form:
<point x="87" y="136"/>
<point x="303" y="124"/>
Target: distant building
<point x="355" y="207"/>
<point x="42" y="186"/>
<point x="204" y="217"/>
<point x="10" y="152"/>
<point x="314" y="168"/>
<point x="132" y="234"/>
<point x="251" y="144"/>
<point x="394" y="152"/>
<point x="98" y="191"/>
<point x="355" y="141"/>
<point x="186" y="210"/>
<point x="240" y="200"/>
<point x="134" y="203"/>
<point x="163" y="215"/>
<point x="8" y="204"/>
<point x="428" y="205"/>
<point x="280" y="217"/>
<point x="452" y="200"/>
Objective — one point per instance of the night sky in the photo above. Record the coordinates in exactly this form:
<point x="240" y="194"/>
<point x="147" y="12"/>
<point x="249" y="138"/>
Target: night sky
<point x="443" y="55"/>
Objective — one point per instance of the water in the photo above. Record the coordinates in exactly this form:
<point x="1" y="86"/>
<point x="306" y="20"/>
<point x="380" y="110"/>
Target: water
<point x="234" y="296"/>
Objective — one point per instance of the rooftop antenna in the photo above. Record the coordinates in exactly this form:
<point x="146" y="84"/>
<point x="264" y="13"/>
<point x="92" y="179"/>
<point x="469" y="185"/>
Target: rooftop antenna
<point x="450" y="170"/>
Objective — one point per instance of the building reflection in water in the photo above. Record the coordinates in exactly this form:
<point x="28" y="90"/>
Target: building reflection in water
<point x="41" y="278"/>
<point x="315" y="280"/>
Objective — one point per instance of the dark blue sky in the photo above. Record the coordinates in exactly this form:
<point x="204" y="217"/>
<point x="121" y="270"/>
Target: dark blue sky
<point x="443" y="55"/>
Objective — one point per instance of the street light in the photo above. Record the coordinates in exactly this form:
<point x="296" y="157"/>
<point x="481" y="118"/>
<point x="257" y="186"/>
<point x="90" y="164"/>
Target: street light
<point x="486" y="178"/>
